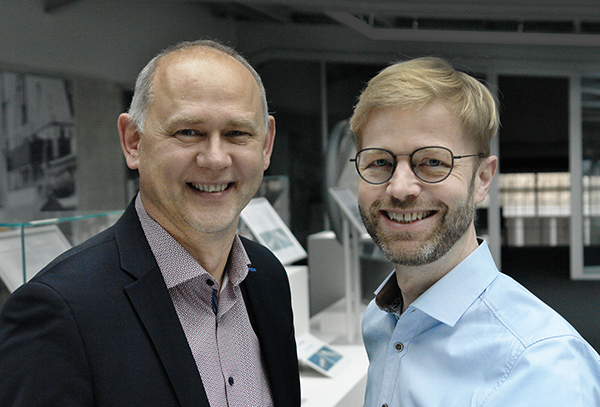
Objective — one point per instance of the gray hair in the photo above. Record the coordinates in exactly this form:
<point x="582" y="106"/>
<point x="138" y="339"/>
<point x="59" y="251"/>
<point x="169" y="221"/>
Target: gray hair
<point x="143" y="96"/>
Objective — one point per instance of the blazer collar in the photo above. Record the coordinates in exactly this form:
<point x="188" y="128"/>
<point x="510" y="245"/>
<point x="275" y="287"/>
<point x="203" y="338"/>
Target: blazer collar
<point x="152" y="303"/>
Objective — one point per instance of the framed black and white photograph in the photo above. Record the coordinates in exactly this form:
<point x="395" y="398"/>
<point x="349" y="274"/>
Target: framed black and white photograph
<point x="38" y="154"/>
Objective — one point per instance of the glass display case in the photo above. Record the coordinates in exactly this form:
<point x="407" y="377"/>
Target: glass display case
<point x="29" y="241"/>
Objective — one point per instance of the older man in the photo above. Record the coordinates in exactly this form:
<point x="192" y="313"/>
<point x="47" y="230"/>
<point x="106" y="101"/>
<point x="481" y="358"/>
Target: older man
<point x="169" y="307"/>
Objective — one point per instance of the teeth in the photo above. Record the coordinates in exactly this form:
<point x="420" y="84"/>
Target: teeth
<point x="407" y="217"/>
<point x="209" y="188"/>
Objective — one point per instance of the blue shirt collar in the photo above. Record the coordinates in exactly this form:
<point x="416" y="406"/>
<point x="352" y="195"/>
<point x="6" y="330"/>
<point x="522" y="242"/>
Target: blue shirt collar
<point x="449" y="298"/>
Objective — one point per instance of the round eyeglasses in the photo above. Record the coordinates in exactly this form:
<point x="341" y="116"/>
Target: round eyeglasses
<point x="429" y="164"/>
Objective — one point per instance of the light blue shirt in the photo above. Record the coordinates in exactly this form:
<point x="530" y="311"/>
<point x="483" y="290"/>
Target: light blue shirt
<point x="476" y="338"/>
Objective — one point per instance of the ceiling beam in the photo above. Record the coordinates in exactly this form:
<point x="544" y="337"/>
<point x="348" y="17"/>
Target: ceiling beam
<point x="51" y="6"/>
<point x="275" y="13"/>
<point x="552" y="10"/>
<point x="471" y="37"/>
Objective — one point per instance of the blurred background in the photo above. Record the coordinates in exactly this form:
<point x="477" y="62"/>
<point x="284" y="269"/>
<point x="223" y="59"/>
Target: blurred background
<point x="67" y="69"/>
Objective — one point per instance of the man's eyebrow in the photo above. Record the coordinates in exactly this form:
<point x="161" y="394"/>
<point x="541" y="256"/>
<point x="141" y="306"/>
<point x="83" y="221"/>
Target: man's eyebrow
<point x="235" y="122"/>
<point x="178" y="120"/>
<point x="245" y="123"/>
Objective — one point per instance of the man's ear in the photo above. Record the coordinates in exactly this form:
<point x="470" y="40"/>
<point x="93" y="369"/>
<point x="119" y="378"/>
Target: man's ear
<point x="130" y="140"/>
<point x="269" y="141"/>
<point x="485" y="175"/>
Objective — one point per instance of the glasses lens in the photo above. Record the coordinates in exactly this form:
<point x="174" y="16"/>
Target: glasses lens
<point x="432" y="164"/>
<point x="375" y="165"/>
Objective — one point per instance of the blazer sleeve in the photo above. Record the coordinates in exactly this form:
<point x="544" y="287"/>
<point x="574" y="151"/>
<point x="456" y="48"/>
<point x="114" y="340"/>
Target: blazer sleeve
<point x="42" y="359"/>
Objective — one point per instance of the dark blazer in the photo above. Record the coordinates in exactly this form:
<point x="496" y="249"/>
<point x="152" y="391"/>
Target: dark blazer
<point x="97" y="327"/>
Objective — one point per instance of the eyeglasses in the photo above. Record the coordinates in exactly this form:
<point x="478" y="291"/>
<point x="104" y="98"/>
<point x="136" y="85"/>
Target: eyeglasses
<point x="429" y="164"/>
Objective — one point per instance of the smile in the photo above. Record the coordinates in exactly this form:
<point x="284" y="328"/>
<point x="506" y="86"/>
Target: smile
<point x="408" y="217"/>
<point x="209" y="188"/>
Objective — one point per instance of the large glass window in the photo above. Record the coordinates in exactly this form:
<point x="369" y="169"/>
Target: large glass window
<point x="535" y="185"/>
<point x="536" y="208"/>
<point x="590" y="108"/>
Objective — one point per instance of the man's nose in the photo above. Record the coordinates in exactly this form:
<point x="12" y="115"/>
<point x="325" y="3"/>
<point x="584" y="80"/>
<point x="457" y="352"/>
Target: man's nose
<point x="214" y="153"/>
<point x="404" y="183"/>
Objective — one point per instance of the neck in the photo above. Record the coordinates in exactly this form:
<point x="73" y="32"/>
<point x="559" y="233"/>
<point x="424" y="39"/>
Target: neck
<point x="415" y="280"/>
<point x="211" y="253"/>
<point x="210" y="249"/>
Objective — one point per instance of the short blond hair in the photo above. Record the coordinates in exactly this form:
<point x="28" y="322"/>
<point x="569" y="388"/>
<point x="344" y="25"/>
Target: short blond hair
<point x="417" y="83"/>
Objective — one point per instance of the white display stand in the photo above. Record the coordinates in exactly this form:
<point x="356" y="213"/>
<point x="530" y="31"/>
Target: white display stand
<point x="339" y="387"/>
<point x="31" y="240"/>
<point x="353" y="230"/>
<point x="320" y="356"/>
<point x="25" y="252"/>
<point x="298" y="276"/>
<point x="269" y="230"/>
<point x="347" y="387"/>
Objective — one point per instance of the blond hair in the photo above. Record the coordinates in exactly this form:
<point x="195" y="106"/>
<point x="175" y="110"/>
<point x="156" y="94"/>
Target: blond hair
<point x="417" y="83"/>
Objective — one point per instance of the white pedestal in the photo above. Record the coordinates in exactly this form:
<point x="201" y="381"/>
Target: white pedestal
<point x="347" y="388"/>
<point x="298" y="276"/>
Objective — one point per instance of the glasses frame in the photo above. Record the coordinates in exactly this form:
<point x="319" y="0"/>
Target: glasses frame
<point x="412" y="167"/>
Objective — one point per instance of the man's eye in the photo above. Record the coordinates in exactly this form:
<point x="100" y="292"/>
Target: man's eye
<point x="237" y="133"/>
<point x="381" y="162"/>
<point x="186" y="132"/>
<point x="432" y="162"/>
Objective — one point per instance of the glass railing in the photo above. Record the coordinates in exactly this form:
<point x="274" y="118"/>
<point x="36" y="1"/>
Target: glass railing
<point x="30" y="240"/>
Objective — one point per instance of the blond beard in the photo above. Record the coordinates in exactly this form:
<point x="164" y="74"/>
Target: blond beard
<point x="452" y="226"/>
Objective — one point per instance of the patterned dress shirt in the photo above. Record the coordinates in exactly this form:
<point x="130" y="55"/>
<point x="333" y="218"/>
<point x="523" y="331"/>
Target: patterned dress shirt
<point x="215" y="319"/>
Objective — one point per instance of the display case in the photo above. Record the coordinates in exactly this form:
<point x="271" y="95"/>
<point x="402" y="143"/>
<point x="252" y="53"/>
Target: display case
<point x="29" y="241"/>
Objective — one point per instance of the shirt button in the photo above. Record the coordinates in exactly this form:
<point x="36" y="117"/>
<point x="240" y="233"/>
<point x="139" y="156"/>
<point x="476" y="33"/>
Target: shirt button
<point x="384" y="405"/>
<point x="210" y="283"/>
<point x="399" y="347"/>
<point x="230" y="380"/>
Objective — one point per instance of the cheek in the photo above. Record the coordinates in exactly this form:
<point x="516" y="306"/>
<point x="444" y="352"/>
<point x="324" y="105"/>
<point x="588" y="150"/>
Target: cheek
<point x="163" y="166"/>
<point x="367" y="194"/>
<point x="250" y="160"/>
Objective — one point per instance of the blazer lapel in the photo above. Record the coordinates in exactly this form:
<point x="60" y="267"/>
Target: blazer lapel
<point x="267" y="298"/>
<point x="155" y="309"/>
<point x="152" y="302"/>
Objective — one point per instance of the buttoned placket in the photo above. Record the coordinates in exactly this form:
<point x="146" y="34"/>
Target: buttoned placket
<point x="229" y="296"/>
<point x="406" y="329"/>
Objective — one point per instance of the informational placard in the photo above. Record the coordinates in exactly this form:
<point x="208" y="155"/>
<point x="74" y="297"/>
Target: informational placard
<point x="42" y="245"/>
<point x="319" y="355"/>
<point x="267" y="227"/>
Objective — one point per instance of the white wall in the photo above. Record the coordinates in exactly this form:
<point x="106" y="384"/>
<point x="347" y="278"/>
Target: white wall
<point x="106" y="39"/>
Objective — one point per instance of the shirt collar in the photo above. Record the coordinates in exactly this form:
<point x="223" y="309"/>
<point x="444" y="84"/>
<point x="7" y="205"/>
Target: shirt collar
<point x="177" y="265"/>
<point x="449" y="298"/>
